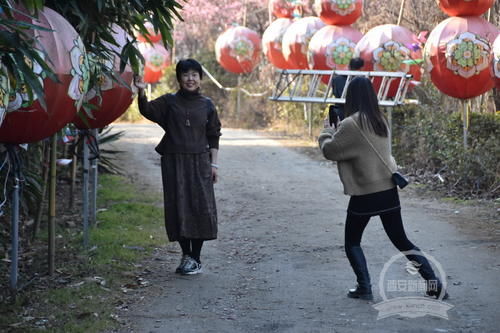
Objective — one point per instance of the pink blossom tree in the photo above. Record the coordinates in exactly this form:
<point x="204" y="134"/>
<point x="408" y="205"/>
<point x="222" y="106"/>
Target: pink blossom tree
<point x="205" y="20"/>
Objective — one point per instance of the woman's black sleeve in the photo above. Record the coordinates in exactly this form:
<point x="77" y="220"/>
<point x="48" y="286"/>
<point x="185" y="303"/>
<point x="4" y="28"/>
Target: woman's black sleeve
<point x="154" y="110"/>
<point x="213" y="127"/>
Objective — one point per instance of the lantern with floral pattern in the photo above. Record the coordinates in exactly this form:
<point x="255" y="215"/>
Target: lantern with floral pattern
<point x="271" y="42"/>
<point x="238" y="49"/>
<point x="4" y="92"/>
<point x="332" y="47"/>
<point x="296" y="40"/>
<point x="111" y="98"/>
<point x="285" y="8"/>
<point x="465" y="7"/>
<point x="65" y="53"/>
<point x="157" y="58"/>
<point x="338" y="12"/>
<point x="388" y="48"/>
<point x="496" y="61"/>
<point x="458" y="56"/>
<point x="153" y="36"/>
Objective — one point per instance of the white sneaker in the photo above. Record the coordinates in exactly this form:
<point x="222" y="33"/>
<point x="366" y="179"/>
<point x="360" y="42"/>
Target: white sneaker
<point x="192" y="267"/>
<point x="184" y="260"/>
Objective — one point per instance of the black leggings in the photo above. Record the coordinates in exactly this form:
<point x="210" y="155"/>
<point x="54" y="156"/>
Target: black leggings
<point x="393" y="226"/>
<point x="191" y="247"/>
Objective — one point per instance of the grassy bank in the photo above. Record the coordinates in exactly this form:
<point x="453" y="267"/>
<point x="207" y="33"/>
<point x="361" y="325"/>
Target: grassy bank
<point x="88" y="285"/>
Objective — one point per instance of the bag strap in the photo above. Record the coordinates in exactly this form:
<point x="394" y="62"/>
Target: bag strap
<point x="373" y="147"/>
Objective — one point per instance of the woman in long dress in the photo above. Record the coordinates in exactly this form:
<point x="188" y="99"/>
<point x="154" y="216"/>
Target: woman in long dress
<point x="189" y="166"/>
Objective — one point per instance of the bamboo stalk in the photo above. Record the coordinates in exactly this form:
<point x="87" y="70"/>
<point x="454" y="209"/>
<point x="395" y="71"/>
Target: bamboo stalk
<point x="52" y="205"/>
<point x="45" y="179"/>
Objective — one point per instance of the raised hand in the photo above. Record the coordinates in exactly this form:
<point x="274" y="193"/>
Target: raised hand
<point x="138" y="82"/>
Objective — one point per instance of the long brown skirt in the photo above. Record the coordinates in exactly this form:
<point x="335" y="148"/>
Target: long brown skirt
<point x="189" y="200"/>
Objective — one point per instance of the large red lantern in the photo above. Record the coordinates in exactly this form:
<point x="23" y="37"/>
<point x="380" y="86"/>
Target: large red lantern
<point x="271" y="42"/>
<point x="157" y="58"/>
<point x="238" y="50"/>
<point x="4" y="92"/>
<point x="66" y="55"/>
<point x="388" y="48"/>
<point x="112" y="98"/>
<point x="465" y="7"/>
<point x="332" y="47"/>
<point x="284" y="8"/>
<point x="458" y="56"/>
<point x="296" y="40"/>
<point x="153" y="36"/>
<point x="338" y="12"/>
<point x="496" y="61"/>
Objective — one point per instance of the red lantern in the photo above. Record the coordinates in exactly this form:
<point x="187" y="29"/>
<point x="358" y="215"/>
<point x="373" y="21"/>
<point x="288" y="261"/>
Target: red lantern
<point x="112" y="98"/>
<point x="153" y="36"/>
<point x="337" y="12"/>
<point x="4" y="92"/>
<point x="284" y="8"/>
<point x="296" y="40"/>
<point x="271" y="42"/>
<point x="458" y="56"/>
<point x="388" y="48"/>
<point x="465" y="7"/>
<point x="67" y="57"/>
<point x="332" y="47"/>
<point x="157" y="58"/>
<point x="238" y="50"/>
<point x="496" y="61"/>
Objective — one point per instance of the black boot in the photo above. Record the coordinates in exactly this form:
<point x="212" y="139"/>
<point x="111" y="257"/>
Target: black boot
<point x="358" y="263"/>
<point x="434" y="285"/>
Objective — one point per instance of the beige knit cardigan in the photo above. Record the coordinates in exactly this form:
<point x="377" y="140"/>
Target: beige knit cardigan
<point x="360" y="169"/>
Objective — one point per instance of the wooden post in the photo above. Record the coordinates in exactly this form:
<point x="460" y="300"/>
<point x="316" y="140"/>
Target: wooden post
<point x="309" y="118"/>
<point x="14" y="232"/>
<point x="238" y="99"/>
<point x="94" y="182"/>
<point x="74" y="168"/>
<point x="85" y="192"/>
<point x="52" y="205"/>
<point x="245" y="13"/>
<point x="465" y="116"/>
<point x="389" y="120"/>
<point x="401" y="10"/>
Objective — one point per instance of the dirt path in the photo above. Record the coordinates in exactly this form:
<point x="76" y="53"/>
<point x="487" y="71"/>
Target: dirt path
<point x="279" y="263"/>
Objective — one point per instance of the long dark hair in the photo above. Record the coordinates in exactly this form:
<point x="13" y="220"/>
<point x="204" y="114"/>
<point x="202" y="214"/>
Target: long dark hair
<point x="361" y="97"/>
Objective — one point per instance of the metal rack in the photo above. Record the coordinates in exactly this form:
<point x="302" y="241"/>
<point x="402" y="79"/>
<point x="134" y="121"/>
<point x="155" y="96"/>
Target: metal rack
<point x="295" y="85"/>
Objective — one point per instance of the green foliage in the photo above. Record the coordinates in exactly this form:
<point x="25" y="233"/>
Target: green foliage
<point x="429" y="142"/>
<point x="93" y="20"/>
<point x="83" y="295"/>
<point x="107" y="190"/>
<point x="17" y="52"/>
<point x="127" y="225"/>
<point x="107" y="156"/>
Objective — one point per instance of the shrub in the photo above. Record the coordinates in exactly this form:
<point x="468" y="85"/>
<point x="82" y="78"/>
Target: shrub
<point x="430" y="143"/>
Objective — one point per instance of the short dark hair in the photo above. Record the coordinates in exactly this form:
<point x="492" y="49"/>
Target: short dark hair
<point x="356" y="63"/>
<point x="185" y="65"/>
<point x="361" y="97"/>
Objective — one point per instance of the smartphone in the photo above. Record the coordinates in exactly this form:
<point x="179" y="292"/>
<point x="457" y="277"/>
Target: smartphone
<point x="333" y="117"/>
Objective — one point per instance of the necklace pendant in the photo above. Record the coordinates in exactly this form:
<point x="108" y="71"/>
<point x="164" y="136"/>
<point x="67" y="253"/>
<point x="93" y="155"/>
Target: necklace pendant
<point x="188" y="124"/>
